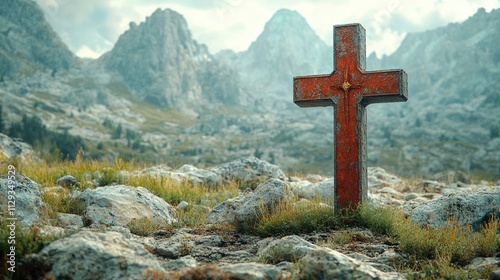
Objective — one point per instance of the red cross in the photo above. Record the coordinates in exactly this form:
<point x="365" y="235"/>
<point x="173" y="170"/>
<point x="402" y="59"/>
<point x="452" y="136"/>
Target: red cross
<point x="349" y="88"/>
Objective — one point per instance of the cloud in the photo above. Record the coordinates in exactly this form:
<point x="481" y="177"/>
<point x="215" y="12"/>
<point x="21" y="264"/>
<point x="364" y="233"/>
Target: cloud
<point x="86" y="52"/>
<point x="234" y="24"/>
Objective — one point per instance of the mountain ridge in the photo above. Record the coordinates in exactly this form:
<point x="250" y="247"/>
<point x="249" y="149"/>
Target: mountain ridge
<point x="221" y="107"/>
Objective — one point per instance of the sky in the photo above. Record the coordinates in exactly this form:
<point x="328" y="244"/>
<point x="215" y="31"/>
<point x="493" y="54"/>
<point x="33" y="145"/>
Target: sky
<point x="91" y="27"/>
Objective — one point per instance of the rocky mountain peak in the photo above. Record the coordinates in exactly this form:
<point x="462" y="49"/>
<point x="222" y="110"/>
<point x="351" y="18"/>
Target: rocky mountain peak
<point x="287" y="47"/>
<point x="163" y="65"/>
<point x="284" y="20"/>
<point x="27" y="41"/>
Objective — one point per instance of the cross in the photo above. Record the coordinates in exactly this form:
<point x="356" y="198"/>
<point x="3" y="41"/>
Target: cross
<point x="349" y="88"/>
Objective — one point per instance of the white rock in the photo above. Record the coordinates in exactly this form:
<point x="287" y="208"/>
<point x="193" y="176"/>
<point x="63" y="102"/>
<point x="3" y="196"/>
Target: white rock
<point x="326" y="264"/>
<point x="17" y="149"/>
<point x="92" y="255"/>
<point x="69" y="220"/>
<point x="248" y="206"/>
<point x="66" y="181"/>
<point x="472" y="208"/>
<point x="29" y="206"/>
<point x="118" y="205"/>
<point x="248" y="170"/>
<point x="251" y="271"/>
<point x="199" y="176"/>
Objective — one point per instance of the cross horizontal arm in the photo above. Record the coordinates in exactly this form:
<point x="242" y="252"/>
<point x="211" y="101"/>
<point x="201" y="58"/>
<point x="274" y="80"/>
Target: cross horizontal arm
<point x="314" y="91"/>
<point x="384" y="86"/>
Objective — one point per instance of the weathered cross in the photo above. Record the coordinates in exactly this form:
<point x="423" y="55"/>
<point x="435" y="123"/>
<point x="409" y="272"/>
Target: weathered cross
<point x="349" y="88"/>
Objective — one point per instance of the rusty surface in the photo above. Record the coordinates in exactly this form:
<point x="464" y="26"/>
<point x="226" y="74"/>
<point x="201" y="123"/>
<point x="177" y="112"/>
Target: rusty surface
<point x="349" y="88"/>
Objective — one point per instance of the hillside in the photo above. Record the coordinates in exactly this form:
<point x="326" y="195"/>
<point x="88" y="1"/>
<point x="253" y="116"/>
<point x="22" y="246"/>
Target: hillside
<point x="159" y="95"/>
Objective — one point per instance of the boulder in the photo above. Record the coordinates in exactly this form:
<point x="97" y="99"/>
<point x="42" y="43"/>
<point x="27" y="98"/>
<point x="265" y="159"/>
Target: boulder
<point x="29" y="206"/>
<point x="66" y="181"/>
<point x="17" y="149"/>
<point x="118" y="205"/>
<point x="251" y="271"/>
<point x="247" y="207"/>
<point x="71" y="221"/>
<point x="378" y="177"/>
<point x="467" y="208"/>
<point x="494" y="275"/>
<point x="199" y="176"/>
<point x="289" y="248"/>
<point x="322" y="190"/>
<point x="248" y="171"/>
<point x="317" y="262"/>
<point x="93" y="255"/>
<point x="325" y="264"/>
<point x="451" y="176"/>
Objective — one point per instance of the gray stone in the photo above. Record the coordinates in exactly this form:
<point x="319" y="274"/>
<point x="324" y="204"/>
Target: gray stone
<point x="71" y="221"/>
<point x="410" y="196"/>
<point x="495" y="275"/>
<point x="29" y="206"/>
<point x="17" y="149"/>
<point x="248" y="171"/>
<point x="47" y="230"/>
<point x="482" y="265"/>
<point x="289" y="248"/>
<point x="123" y="230"/>
<point x="119" y="205"/>
<point x="66" y="181"/>
<point x="246" y="208"/>
<point x="251" y="271"/>
<point x="182" y="205"/>
<point x="322" y="190"/>
<point x="200" y="176"/>
<point x="180" y="263"/>
<point x="389" y="190"/>
<point x="378" y="177"/>
<point x="451" y="176"/>
<point x="92" y="255"/>
<point x="176" y="246"/>
<point x="474" y="208"/>
<point x="326" y="264"/>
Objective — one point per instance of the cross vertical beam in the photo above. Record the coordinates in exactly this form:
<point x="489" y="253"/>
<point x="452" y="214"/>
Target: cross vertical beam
<point x="349" y="88"/>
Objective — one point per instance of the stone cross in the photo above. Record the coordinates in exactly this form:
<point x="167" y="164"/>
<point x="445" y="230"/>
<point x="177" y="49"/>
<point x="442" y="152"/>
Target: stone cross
<point x="349" y="88"/>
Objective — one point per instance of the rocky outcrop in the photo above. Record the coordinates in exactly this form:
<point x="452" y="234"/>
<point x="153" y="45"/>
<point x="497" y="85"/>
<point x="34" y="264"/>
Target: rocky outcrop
<point x="25" y="199"/>
<point x="119" y="205"/>
<point x="94" y="255"/>
<point x="317" y="262"/>
<point x="248" y="171"/>
<point x="17" y="149"/>
<point x="27" y="41"/>
<point x="467" y="208"/>
<point x="248" y="207"/>
<point x="327" y="264"/>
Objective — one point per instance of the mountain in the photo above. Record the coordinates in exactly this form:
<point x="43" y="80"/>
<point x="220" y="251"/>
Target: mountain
<point x="287" y="47"/>
<point x="449" y="122"/>
<point x="27" y="42"/>
<point x="451" y="118"/>
<point x="160" y="96"/>
<point x="162" y="64"/>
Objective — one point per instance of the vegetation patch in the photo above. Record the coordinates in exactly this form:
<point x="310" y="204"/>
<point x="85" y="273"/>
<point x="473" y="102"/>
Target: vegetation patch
<point x="297" y="218"/>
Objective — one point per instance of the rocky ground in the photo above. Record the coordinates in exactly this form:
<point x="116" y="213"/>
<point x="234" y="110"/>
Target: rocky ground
<point x="99" y="245"/>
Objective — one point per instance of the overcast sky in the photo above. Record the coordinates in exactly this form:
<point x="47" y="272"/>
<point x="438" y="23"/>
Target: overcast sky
<point x="91" y="27"/>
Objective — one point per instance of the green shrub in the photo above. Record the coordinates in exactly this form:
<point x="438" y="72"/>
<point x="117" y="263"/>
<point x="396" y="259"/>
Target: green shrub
<point x="27" y="241"/>
<point x="145" y="227"/>
<point x="297" y="218"/>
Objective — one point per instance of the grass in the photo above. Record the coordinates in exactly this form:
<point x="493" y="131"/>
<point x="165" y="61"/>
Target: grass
<point x="27" y="241"/>
<point x="429" y="253"/>
<point x="297" y="218"/>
